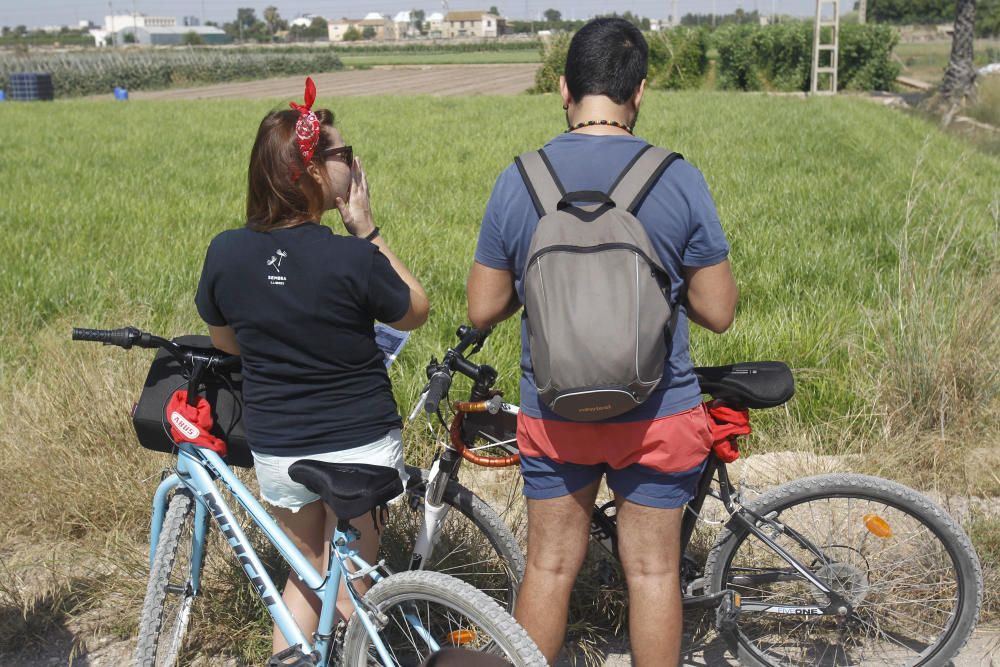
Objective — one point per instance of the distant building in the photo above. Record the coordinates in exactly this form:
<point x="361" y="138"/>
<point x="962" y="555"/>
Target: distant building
<point x="119" y="21"/>
<point x="383" y="27"/>
<point x="435" y="24"/>
<point x="173" y="35"/>
<point x="303" y="21"/>
<point x="471" y="24"/>
<point x="404" y="25"/>
<point x="191" y="21"/>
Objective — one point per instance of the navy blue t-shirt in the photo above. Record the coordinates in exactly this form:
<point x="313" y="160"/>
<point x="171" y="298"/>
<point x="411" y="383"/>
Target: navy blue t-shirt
<point x="678" y="215"/>
<point x="303" y="303"/>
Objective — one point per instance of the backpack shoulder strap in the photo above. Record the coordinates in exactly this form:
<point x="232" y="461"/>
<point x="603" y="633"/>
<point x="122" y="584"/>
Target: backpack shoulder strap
<point x="541" y="180"/>
<point x="639" y="177"/>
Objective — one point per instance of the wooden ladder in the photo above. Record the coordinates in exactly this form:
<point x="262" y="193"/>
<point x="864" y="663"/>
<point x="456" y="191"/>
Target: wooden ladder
<point x="832" y="47"/>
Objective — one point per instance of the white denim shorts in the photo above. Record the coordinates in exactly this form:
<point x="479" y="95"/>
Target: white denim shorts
<point x="278" y="489"/>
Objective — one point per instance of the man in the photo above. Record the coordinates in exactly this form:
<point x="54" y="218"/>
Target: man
<point x="653" y="454"/>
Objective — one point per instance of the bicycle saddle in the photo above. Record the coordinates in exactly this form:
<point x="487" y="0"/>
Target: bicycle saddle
<point x="351" y="489"/>
<point x="753" y="384"/>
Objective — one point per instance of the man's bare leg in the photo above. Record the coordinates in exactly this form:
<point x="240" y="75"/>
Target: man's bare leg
<point x="649" y="546"/>
<point x="558" y="530"/>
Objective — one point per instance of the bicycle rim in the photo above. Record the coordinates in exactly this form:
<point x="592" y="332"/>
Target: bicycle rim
<point x="421" y="612"/>
<point x="906" y="570"/>
<point x="474" y="544"/>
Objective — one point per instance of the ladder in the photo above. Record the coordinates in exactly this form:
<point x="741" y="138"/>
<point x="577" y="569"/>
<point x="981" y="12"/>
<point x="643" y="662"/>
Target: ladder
<point x="825" y="66"/>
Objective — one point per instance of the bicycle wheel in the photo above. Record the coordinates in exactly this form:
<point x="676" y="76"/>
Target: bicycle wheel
<point x="166" y="609"/>
<point x="416" y="607"/>
<point x="908" y="571"/>
<point x="475" y="545"/>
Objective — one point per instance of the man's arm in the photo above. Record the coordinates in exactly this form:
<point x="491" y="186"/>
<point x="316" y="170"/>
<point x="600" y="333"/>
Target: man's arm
<point x="491" y="295"/>
<point x="711" y="296"/>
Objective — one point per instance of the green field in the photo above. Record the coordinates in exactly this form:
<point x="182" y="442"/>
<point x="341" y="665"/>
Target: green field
<point x="927" y="61"/>
<point x="865" y="243"/>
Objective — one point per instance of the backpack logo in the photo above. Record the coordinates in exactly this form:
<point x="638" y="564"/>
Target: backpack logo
<point x="275" y="263"/>
<point x="187" y="429"/>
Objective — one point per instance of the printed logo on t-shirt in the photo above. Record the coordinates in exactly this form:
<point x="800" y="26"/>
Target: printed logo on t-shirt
<point x="274" y="263"/>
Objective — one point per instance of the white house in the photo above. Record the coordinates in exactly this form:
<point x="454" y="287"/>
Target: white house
<point x="471" y="24"/>
<point x="435" y="24"/>
<point x="119" y="21"/>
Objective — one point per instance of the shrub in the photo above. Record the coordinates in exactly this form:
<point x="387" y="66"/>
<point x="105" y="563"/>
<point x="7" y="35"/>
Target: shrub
<point x="678" y="59"/>
<point x="553" y="64"/>
<point x="779" y="57"/>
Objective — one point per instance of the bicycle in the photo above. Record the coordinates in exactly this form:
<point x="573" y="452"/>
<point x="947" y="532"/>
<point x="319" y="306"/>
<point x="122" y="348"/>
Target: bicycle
<point x="842" y="568"/>
<point x="402" y="619"/>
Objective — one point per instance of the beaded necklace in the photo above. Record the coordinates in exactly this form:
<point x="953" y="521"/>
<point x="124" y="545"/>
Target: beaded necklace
<point x="589" y="123"/>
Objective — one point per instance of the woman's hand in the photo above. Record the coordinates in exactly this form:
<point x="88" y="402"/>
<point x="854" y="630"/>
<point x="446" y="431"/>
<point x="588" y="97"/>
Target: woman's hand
<point x="357" y="212"/>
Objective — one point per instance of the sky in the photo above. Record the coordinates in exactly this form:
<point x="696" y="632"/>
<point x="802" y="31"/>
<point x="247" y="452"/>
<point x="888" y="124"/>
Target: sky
<point x="38" y="13"/>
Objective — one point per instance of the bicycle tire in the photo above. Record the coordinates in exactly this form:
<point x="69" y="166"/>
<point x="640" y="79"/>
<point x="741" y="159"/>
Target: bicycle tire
<point x="927" y="557"/>
<point x="438" y="600"/>
<point x="166" y="608"/>
<point x="475" y="544"/>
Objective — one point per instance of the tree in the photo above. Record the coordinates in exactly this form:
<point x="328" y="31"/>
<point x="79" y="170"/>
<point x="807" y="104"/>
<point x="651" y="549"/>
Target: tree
<point x="129" y="38"/>
<point x="368" y="32"/>
<point x="273" y="21"/>
<point x="6" y="30"/>
<point x="246" y="17"/>
<point x="417" y="17"/>
<point x="318" y="28"/>
<point x="20" y="30"/>
<point x="494" y="10"/>
<point x="191" y="38"/>
<point x="960" y="78"/>
<point x="352" y="34"/>
<point x="552" y="16"/>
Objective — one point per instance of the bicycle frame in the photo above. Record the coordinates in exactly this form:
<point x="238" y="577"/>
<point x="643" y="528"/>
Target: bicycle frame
<point x="197" y="470"/>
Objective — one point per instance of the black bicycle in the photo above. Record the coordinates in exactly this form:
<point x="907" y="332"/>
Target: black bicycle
<point x="836" y="569"/>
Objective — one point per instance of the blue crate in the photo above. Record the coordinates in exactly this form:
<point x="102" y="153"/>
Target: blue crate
<point x="31" y="86"/>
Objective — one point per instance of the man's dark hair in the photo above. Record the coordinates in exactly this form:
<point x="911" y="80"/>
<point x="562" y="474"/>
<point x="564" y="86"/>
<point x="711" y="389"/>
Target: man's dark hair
<point x="606" y="57"/>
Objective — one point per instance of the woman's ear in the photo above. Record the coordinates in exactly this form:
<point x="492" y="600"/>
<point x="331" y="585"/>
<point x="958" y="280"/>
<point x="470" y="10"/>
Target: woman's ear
<point x="315" y="173"/>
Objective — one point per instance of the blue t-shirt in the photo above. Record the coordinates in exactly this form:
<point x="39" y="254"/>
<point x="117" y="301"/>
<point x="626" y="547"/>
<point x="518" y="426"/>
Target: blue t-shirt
<point x="678" y="215"/>
<point x="303" y="302"/>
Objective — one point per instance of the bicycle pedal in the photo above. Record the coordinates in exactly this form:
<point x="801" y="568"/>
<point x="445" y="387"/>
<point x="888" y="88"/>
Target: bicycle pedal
<point x="726" y="615"/>
<point x="291" y="657"/>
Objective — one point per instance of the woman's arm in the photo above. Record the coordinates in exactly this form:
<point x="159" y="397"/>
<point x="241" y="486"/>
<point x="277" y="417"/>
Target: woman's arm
<point x="358" y="220"/>
<point x="224" y="338"/>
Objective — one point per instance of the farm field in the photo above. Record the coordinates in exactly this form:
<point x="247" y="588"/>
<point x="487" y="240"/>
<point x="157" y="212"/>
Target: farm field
<point x="866" y="244"/>
<point x="927" y="61"/>
<point x="510" y="79"/>
<point x="468" y="58"/>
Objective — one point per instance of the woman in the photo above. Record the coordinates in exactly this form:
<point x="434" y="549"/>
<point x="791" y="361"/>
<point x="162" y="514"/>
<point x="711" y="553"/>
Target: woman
<point x="298" y="303"/>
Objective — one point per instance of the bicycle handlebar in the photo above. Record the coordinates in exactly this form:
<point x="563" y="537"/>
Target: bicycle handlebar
<point x="440" y="374"/>
<point x="128" y="337"/>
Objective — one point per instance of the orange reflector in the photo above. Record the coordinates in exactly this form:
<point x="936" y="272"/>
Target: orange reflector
<point x="737" y="600"/>
<point x="877" y="526"/>
<point x="461" y="637"/>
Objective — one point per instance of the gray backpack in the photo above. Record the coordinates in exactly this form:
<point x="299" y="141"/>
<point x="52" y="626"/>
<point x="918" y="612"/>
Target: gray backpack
<point x="596" y="297"/>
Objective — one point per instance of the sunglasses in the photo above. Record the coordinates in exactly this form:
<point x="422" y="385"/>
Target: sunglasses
<point x="345" y="153"/>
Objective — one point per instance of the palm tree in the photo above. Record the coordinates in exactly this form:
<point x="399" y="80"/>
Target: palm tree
<point x="960" y="77"/>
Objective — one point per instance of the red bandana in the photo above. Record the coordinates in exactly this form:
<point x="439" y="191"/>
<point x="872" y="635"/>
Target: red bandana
<point x="192" y="423"/>
<point x="726" y="424"/>
<point x="307" y="128"/>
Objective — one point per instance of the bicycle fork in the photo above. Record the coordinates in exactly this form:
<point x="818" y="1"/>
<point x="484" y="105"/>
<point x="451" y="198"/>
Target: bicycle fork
<point x="443" y="470"/>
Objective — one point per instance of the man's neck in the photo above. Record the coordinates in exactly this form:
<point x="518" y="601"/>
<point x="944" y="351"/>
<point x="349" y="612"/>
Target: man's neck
<point x="598" y="108"/>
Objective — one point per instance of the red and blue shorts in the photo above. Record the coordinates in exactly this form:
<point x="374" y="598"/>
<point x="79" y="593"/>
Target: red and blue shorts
<point x="656" y="463"/>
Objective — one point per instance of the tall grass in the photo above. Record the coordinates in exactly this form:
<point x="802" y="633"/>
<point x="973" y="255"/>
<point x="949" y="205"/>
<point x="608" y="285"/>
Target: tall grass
<point x="864" y="242"/>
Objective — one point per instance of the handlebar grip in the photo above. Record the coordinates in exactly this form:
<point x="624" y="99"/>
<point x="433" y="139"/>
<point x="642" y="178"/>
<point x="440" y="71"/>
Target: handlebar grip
<point x="119" y="337"/>
<point x="438" y="387"/>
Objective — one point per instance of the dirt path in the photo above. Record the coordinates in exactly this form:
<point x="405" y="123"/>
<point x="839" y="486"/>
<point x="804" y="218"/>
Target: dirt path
<point x="382" y="80"/>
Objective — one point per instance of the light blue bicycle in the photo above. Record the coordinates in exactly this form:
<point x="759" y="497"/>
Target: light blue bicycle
<point x="401" y="620"/>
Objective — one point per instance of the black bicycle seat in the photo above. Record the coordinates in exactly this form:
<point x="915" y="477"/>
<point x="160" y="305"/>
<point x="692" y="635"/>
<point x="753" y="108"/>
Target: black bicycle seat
<point x="351" y="489"/>
<point x="753" y="384"/>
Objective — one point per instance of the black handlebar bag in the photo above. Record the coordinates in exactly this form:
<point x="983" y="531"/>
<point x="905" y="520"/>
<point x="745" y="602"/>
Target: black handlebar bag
<point x="225" y="395"/>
